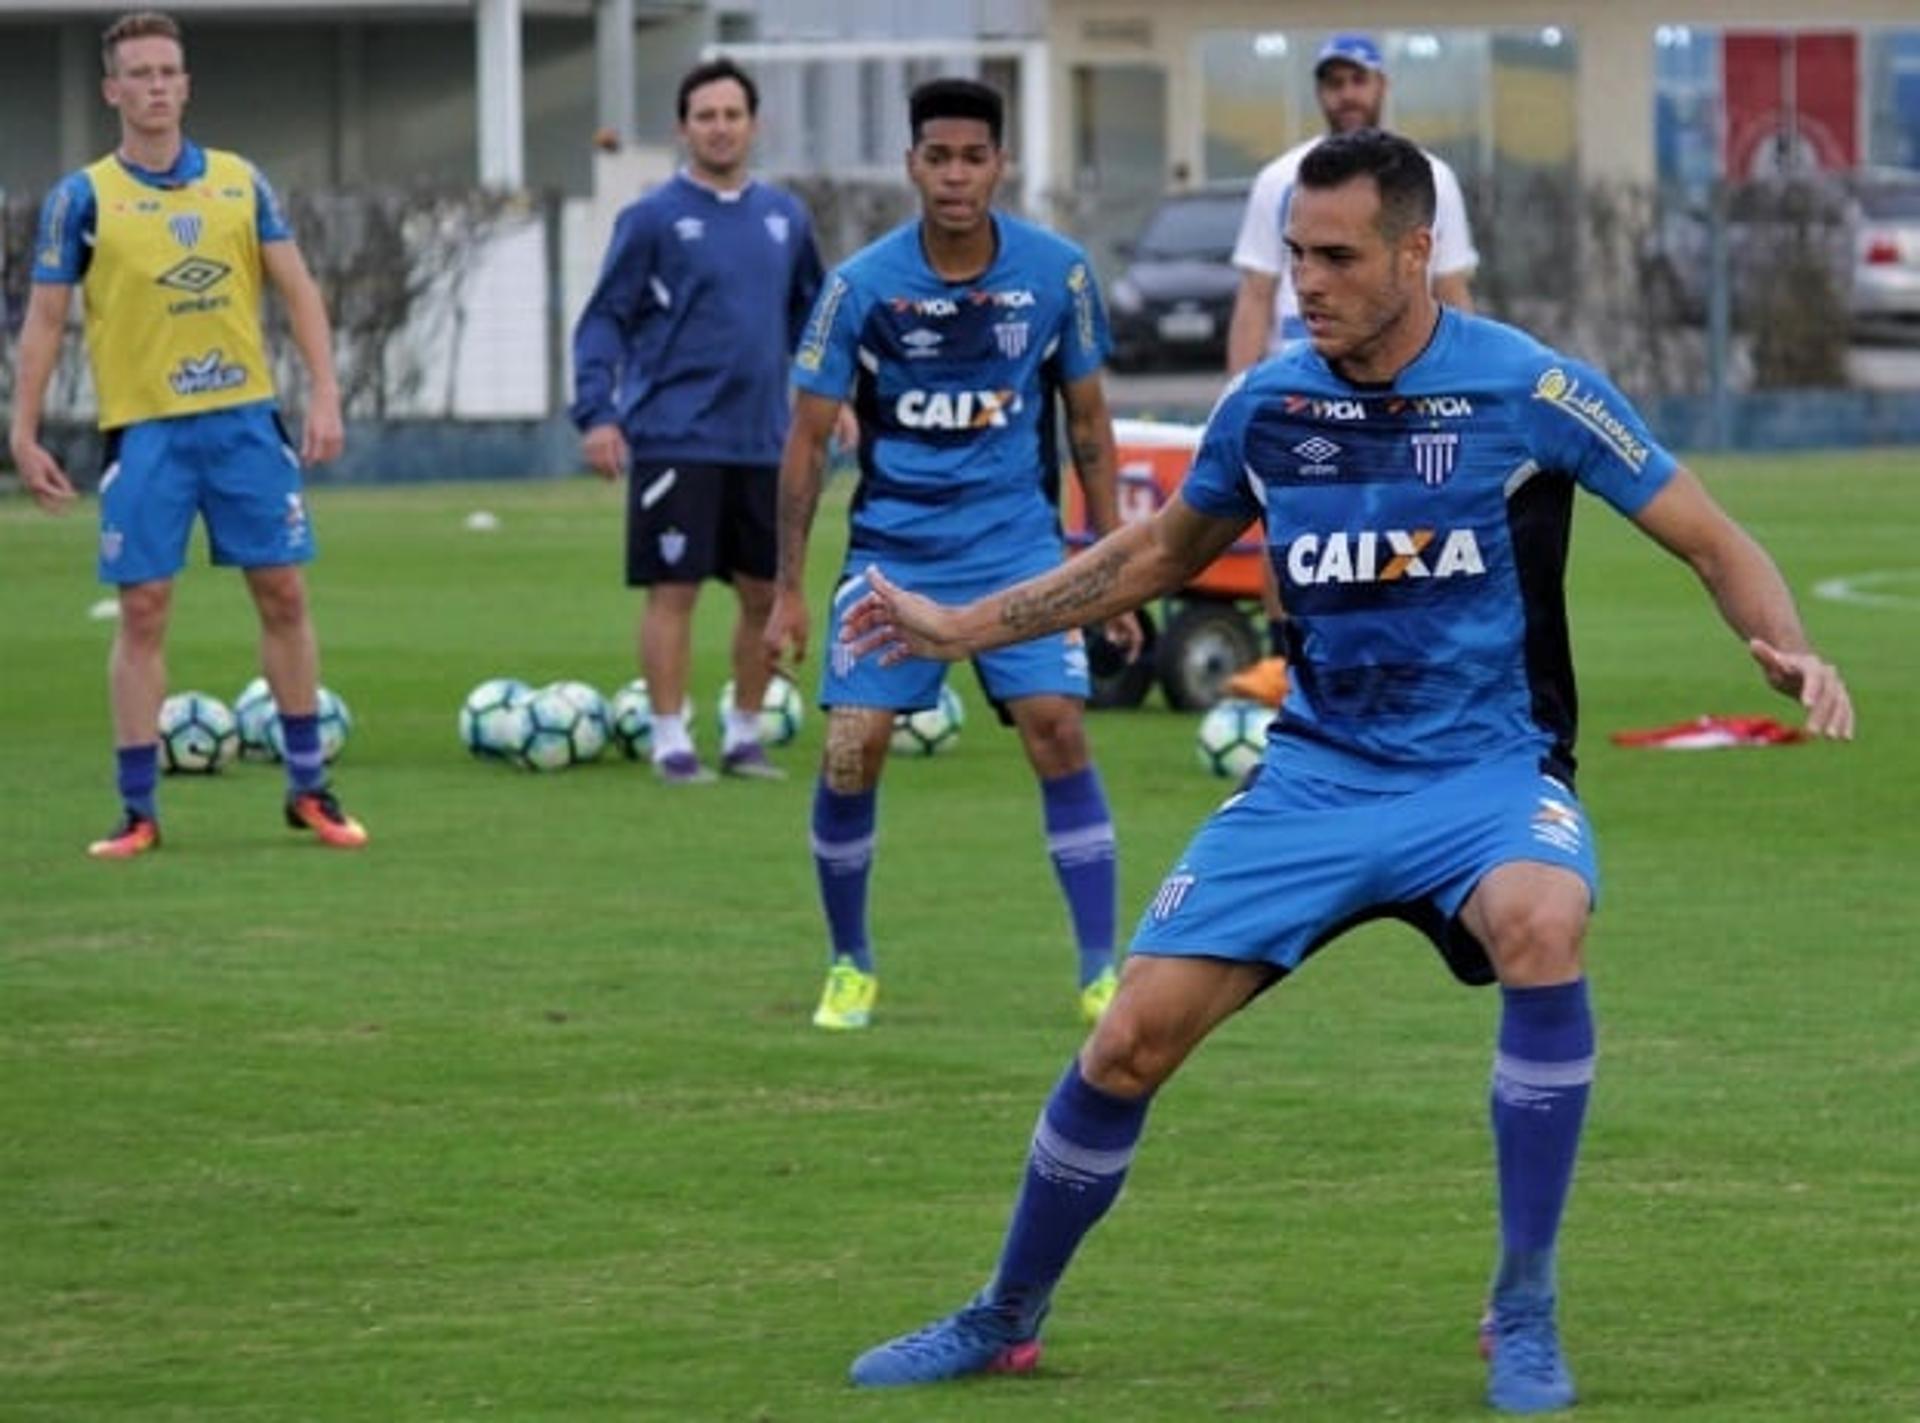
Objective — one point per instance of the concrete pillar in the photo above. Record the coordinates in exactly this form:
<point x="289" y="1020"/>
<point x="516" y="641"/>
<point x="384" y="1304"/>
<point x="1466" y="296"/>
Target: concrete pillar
<point x="502" y="122"/>
<point x="1036" y="131"/>
<point x="613" y="69"/>
<point x="1613" y="96"/>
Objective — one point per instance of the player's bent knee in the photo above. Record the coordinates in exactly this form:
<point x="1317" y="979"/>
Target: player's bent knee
<point x="1538" y="945"/>
<point x="1124" y="1058"/>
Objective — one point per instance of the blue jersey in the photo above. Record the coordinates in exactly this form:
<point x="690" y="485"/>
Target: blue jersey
<point x="1419" y="537"/>
<point x="954" y="385"/>
<point x="63" y="246"/>
<point x="685" y="340"/>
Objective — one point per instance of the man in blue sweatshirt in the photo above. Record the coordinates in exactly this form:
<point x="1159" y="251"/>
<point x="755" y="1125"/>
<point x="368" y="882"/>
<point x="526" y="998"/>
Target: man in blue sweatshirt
<point x="680" y="380"/>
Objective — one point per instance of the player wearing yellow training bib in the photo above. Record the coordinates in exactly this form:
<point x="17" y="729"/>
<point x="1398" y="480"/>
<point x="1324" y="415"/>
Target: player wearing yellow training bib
<point x="168" y="243"/>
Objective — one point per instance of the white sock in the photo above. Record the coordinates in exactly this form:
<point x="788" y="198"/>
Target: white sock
<point x="743" y="729"/>
<point x="670" y="734"/>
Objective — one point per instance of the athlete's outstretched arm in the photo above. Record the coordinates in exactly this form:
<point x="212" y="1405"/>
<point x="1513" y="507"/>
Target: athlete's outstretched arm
<point x="1131" y="565"/>
<point x="47" y="305"/>
<point x="322" y="436"/>
<point x="803" y="468"/>
<point x="1096" y="461"/>
<point x="1751" y="595"/>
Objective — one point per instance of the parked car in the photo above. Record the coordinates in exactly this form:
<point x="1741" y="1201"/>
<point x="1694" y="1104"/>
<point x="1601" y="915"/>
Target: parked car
<point x="1860" y="231"/>
<point x="1886" y="248"/>
<point x="1171" y="304"/>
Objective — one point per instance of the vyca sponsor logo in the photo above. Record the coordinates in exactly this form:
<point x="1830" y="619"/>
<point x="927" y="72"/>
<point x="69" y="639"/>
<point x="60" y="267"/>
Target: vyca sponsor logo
<point x="1565" y="394"/>
<point x="1432" y="407"/>
<point x="1321" y="408"/>
<point x="956" y="409"/>
<point x="1018" y="299"/>
<point x="934" y="306"/>
<point x="1383" y="556"/>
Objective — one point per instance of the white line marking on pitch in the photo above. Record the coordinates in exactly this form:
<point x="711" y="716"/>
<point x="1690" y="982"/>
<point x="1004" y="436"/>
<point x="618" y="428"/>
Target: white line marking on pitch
<point x="1866" y="589"/>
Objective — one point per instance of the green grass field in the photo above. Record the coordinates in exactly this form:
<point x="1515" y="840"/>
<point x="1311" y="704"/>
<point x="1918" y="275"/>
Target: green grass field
<point x="518" y="1114"/>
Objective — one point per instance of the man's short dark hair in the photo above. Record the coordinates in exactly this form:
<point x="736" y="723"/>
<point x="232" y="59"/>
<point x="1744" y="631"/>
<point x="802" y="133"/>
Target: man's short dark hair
<point x="1398" y="168"/>
<point x="712" y="70"/>
<point x="957" y="99"/>
<point x="138" y="25"/>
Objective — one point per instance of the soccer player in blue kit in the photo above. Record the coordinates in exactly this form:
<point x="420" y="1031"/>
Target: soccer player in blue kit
<point x="680" y="382"/>
<point x="1415" y="468"/>
<point x="952" y="337"/>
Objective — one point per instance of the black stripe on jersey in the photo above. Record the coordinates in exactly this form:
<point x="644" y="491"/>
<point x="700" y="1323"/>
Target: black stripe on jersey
<point x="1540" y="527"/>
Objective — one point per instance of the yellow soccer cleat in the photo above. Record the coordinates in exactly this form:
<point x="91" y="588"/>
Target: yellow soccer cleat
<point x="847" y="1000"/>
<point x="1095" y="997"/>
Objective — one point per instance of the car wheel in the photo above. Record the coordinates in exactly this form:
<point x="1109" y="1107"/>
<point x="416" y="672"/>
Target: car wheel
<point x="1206" y="642"/>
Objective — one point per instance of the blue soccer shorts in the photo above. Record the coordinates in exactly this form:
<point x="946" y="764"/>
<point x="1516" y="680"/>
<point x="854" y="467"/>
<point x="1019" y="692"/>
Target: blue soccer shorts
<point x="235" y="468"/>
<point x="1290" y="862"/>
<point x="1055" y="665"/>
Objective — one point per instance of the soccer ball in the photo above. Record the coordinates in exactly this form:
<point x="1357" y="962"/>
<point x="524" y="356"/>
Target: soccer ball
<point x="493" y="721"/>
<point x="591" y="738"/>
<point x="930" y="730"/>
<point x="336" y="725"/>
<point x="1233" y="736"/>
<point x="559" y="732"/>
<point x="587" y="698"/>
<point x="630" y="720"/>
<point x="197" y="733"/>
<point x="254" y="711"/>
<point x="781" y="711"/>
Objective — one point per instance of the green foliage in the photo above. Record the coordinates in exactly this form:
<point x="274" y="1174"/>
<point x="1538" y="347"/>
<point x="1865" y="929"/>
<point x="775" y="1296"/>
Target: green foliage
<point x="518" y="1114"/>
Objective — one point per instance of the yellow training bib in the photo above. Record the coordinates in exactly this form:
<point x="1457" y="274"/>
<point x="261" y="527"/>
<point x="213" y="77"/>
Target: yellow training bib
<point x="172" y="294"/>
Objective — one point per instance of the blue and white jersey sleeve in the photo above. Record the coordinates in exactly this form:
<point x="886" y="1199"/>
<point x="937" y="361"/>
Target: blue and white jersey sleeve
<point x="63" y="242"/>
<point x="269" y="218"/>
<point x="1579" y="423"/>
<point x="1217" y="483"/>
<point x="830" y="343"/>
<point x="1085" y="341"/>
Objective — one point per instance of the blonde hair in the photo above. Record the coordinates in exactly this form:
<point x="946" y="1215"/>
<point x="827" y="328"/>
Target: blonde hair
<point x="138" y="25"/>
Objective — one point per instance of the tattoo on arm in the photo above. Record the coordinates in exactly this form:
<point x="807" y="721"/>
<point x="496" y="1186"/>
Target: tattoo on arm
<point x="1063" y="599"/>
<point x="1099" y="481"/>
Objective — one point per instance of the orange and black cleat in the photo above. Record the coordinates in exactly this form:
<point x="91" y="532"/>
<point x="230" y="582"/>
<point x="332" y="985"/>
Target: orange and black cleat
<point x="319" y="812"/>
<point x="135" y="835"/>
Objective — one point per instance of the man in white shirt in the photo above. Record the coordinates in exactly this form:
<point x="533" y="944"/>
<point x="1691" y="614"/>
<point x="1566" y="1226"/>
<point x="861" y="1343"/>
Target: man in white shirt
<point x="1350" y="81"/>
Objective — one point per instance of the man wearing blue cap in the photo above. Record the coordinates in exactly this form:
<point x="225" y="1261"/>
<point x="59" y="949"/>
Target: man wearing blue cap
<point x="1350" y="80"/>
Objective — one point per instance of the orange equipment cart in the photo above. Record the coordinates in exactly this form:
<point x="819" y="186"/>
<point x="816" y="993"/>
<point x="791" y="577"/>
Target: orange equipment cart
<point x="1204" y="633"/>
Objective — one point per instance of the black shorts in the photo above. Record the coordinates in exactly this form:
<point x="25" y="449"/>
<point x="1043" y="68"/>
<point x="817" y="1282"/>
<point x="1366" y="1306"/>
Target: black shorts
<point x="690" y="522"/>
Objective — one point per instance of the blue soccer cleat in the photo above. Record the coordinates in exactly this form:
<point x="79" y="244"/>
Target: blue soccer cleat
<point x="975" y="1340"/>
<point x="1525" y="1371"/>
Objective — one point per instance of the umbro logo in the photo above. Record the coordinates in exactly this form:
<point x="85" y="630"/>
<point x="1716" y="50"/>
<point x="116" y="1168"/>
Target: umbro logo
<point x="194" y="274"/>
<point x="1318" y="452"/>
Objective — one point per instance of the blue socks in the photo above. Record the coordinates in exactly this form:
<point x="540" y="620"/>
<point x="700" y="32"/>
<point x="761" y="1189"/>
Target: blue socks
<point x="1541" y="1077"/>
<point x="306" y="768"/>
<point x="136" y="772"/>
<point x="1080" y="842"/>
<point x="842" y="857"/>
<point x="1082" y="1147"/>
